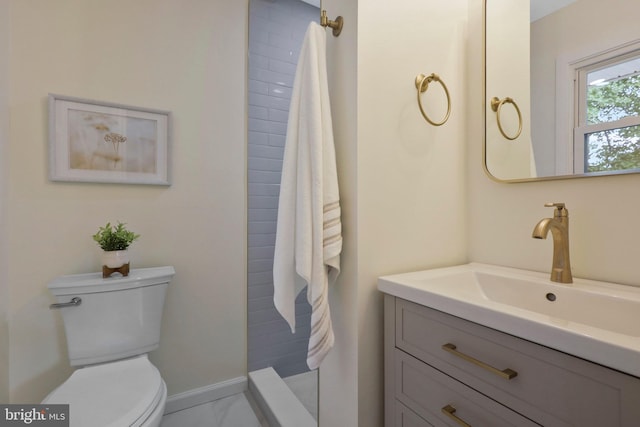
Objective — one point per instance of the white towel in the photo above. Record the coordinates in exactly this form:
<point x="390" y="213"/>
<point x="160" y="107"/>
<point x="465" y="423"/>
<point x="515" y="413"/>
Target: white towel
<point x="309" y="231"/>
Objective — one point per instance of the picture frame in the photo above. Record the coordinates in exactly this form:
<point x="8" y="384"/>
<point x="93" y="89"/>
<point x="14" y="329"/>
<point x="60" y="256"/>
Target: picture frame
<point x="104" y="142"/>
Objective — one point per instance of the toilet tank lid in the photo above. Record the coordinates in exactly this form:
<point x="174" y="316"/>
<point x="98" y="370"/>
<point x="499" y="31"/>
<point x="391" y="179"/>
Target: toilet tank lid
<point x="94" y="282"/>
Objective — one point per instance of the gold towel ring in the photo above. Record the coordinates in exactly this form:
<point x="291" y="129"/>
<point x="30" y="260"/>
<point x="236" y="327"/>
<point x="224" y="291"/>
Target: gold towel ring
<point x="422" y="83"/>
<point x="496" y="105"/>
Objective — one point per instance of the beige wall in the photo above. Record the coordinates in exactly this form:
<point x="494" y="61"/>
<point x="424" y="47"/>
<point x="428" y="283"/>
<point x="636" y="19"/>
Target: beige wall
<point x="188" y="58"/>
<point x="339" y="371"/>
<point x="4" y="135"/>
<point x="417" y="197"/>
<point x="401" y="179"/>
<point x="603" y="211"/>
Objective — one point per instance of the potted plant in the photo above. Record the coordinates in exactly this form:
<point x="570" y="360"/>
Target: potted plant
<point x="114" y="241"/>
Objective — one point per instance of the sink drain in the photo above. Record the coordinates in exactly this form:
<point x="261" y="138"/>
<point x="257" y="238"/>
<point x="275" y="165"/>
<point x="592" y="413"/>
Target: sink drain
<point x="551" y="297"/>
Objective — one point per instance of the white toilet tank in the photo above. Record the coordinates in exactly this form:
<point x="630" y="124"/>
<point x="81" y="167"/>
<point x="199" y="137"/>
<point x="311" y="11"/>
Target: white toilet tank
<point x="117" y="317"/>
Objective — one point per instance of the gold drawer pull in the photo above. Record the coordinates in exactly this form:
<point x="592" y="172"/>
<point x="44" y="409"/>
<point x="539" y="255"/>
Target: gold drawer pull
<point x="507" y="373"/>
<point x="449" y="411"/>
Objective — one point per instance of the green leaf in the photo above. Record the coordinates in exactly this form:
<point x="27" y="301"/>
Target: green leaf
<point x="117" y="238"/>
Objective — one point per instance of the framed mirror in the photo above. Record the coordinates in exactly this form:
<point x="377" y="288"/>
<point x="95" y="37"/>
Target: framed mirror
<point x="562" y="89"/>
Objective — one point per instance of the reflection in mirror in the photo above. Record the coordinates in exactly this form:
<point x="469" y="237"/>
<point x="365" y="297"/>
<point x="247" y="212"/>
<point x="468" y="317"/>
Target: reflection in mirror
<point x="573" y="67"/>
<point x="276" y="357"/>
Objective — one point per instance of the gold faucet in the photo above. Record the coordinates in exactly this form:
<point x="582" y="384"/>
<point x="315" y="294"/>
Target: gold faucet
<point x="559" y="226"/>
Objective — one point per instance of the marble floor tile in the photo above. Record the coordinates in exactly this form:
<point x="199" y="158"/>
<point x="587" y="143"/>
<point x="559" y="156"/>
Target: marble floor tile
<point x="232" y="411"/>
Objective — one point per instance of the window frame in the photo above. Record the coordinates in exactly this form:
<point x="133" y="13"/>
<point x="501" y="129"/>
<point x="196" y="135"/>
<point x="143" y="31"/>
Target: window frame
<point x="582" y="129"/>
<point x="569" y="154"/>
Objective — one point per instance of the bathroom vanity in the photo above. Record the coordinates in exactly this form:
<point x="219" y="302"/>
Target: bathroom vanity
<point x="441" y="369"/>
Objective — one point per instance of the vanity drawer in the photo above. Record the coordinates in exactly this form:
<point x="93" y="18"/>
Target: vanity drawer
<point x="405" y="417"/>
<point x="445" y="401"/>
<point x="549" y="387"/>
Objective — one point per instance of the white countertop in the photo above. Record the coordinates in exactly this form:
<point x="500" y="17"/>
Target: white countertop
<point x="597" y="321"/>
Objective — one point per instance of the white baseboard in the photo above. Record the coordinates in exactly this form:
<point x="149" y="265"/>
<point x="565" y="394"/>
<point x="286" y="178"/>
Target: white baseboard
<point x="206" y="394"/>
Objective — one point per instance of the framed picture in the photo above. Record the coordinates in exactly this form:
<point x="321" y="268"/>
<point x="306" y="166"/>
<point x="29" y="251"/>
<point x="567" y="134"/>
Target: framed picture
<point x="94" y="141"/>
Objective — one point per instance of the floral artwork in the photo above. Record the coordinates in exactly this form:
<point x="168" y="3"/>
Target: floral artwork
<point x="108" y="142"/>
<point x="93" y="141"/>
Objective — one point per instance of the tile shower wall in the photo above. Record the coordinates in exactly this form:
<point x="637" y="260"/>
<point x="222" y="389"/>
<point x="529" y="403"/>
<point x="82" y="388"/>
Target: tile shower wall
<point x="276" y="31"/>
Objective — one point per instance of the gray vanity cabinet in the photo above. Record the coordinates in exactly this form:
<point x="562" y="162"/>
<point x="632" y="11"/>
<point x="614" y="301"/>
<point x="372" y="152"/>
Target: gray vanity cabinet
<point x="441" y="370"/>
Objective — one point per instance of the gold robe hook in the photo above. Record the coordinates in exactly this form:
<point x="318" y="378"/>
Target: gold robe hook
<point x="336" y="25"/>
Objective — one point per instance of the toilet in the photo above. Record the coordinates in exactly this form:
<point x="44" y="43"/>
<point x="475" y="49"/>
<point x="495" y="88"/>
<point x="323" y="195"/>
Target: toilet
<point x="110" y="325"/>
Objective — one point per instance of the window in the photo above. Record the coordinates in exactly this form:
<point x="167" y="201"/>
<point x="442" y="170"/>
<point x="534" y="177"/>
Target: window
<point x="607" y="122"/>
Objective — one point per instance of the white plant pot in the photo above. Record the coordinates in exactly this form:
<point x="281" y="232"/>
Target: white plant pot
<point x="115" y="259"/>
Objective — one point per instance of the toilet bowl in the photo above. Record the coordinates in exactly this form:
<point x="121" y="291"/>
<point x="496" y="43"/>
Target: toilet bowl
<point x="108" y="336"/>
<point x="123" y="393"/>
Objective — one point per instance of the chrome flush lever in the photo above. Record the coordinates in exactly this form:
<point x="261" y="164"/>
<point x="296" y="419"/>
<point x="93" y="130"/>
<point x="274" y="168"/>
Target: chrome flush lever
<point x="74" y="301"/>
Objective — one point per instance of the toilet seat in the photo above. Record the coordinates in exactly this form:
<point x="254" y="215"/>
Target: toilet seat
<point x="116" y="394"/>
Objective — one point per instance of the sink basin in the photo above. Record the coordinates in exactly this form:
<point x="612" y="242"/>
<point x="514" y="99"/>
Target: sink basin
<point x="587" y="305"/>
<point x="598" y="321"/>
